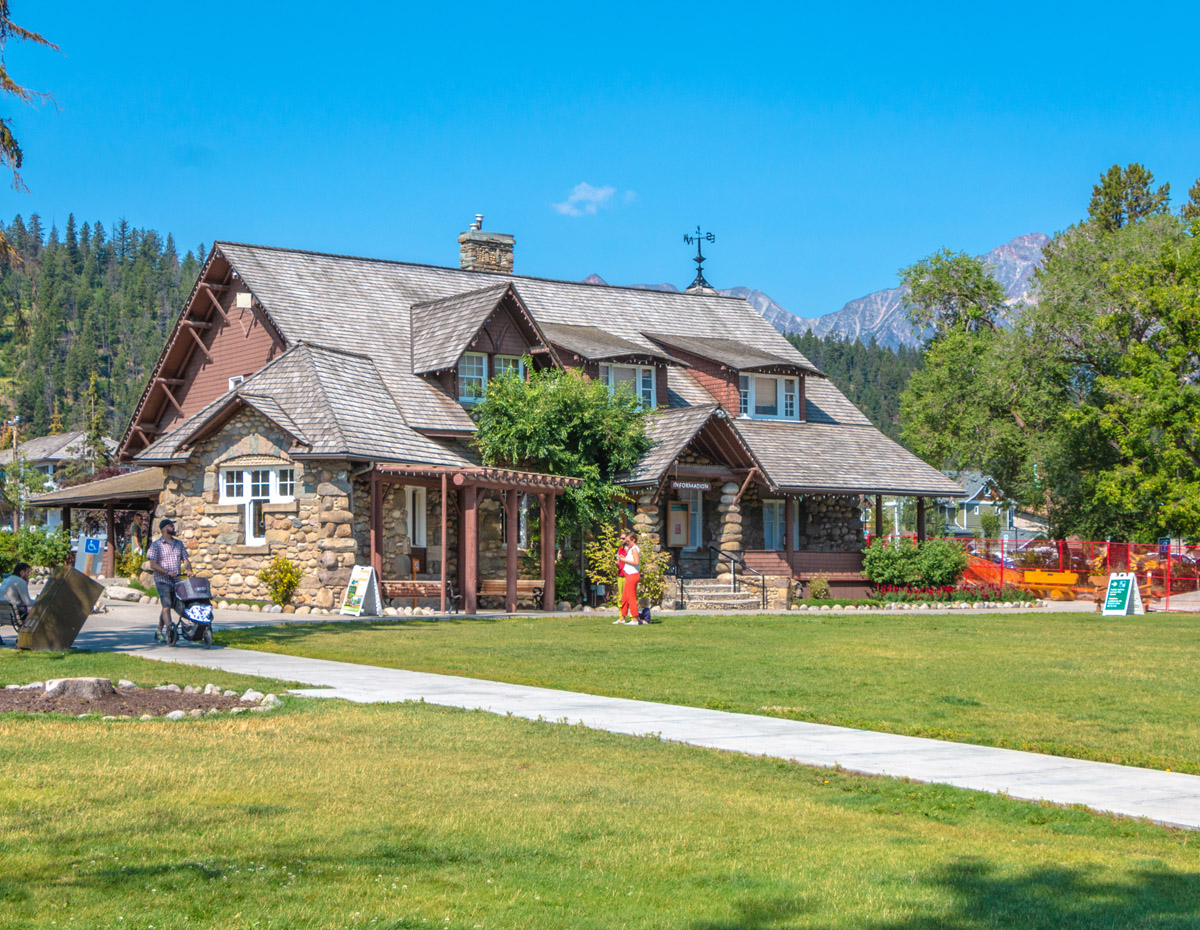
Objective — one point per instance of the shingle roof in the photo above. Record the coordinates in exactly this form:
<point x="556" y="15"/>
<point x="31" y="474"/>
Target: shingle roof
<point x="143" y="484"/>
<point x="670" y="431"/>
<point x="840" y="458"/>
<point x="441" y="329"/>
<point x="335" y="404"/>
<point x="735" y="353"/>
<point x="594" y="344"/>
<point x="53" y="448"/>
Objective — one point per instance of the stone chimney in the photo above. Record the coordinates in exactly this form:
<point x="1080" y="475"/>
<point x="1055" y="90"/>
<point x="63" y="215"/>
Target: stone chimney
<point x="485" y="251"/>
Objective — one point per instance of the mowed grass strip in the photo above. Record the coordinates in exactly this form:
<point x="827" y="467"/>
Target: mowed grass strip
<point x="1121" y="690"/>
<point x="327" y="814"/>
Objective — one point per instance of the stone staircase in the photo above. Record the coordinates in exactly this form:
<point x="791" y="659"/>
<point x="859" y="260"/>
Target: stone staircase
<point x="711" y="594"/>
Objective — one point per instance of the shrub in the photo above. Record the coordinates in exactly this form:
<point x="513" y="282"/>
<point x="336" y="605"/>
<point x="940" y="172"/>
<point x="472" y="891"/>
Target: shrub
<point x="35" y="546"/>
<point x="888" y="562"/>
<point x="281" y="576"/>
<point x="941" y="562"/>
<point x="129" y="562"/>
<point x="818" y="587"/>
<point x="602" y="565"/>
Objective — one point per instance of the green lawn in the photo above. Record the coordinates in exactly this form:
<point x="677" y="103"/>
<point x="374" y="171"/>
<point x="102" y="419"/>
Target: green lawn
<point x="326" y="814"/>
<point x="1114" y="689"/>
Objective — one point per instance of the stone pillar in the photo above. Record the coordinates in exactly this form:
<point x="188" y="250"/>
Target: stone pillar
<point x="730" y="539"/>
<point x="647" y="522"/>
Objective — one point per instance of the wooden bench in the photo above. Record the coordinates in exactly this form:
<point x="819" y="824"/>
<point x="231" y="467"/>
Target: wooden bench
<point x="526" y="587"/>
<point x="423" y="589"/>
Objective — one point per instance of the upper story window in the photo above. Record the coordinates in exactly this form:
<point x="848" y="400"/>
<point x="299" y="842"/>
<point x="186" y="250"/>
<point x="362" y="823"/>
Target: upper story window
<point x="472" y="376"/>
<point x="640" y="381"/>
<point x="502" y="364"/>
<point x="769" y="397"/>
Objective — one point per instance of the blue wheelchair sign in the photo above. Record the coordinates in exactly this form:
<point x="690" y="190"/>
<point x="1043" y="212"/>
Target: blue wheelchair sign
<point x="91" y="546"/>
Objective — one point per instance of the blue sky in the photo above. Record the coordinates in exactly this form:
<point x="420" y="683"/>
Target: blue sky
<point x="826" y="148"/>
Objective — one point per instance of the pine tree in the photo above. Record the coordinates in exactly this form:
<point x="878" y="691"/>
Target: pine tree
<point x="1126" y="195"/>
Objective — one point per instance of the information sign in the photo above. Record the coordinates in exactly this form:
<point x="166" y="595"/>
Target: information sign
<point x="1122" y="597"/>
<point x="362" y="596"/>
<point x="678" y="524"/>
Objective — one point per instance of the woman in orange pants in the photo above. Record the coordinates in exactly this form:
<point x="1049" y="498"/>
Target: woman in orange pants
<point x="629" y="597"/>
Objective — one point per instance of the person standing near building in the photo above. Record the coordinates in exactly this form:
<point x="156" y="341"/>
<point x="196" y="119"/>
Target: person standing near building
<point x="629" y="597"/>
<point x="167" y="557"/>
<point x="624" y="548"/>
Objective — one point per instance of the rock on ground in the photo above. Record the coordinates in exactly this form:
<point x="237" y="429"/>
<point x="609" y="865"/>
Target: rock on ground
<point x="251" y="696"/>
<point x="177" y="715"/>
<point x="119" y="593"/>
<point x="85" y="689"/>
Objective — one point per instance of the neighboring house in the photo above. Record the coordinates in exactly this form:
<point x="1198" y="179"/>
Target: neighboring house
<point x="964" y="517"/>
<point x="50" y="456"/>
<point x="319" y="407"/>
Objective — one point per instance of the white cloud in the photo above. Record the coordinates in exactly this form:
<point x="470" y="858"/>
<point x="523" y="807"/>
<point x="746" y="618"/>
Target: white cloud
<point x="585" y="199"/>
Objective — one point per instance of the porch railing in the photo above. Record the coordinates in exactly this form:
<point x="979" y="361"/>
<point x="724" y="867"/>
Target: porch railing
<point x="734" y="561"/>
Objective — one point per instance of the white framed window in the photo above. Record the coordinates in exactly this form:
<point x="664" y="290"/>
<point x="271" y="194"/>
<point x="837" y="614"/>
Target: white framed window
<point x="415" y="505"/>
<point x="472" y="376"/>
<point x="235" y="381"/>
<point x="502" y="364"/>
<point x="253" y="488"/>
<point x="772" y="524"/>
<point x="768" y="397"/>
<point x="641" y="381"/>
<point x="695" y="502"/>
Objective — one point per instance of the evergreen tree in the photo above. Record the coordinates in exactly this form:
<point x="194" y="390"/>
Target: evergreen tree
<point x="1126" y="195"/>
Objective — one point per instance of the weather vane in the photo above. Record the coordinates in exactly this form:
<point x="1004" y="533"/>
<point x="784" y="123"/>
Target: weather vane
<point x="698" y="238"/>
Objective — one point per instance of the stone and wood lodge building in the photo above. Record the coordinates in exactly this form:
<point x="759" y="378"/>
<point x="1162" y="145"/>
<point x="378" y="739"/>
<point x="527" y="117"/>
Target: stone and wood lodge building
<point x="319" y="406"/>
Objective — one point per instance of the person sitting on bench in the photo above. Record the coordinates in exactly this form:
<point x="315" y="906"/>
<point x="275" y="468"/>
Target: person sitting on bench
<point x="15" y="590"/>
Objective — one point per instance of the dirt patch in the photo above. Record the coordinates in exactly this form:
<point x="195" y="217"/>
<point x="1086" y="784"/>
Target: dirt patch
<point x="129" y="701"/>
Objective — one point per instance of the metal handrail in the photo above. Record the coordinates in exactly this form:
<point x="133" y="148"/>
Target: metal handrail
<point x="734" y="561"/>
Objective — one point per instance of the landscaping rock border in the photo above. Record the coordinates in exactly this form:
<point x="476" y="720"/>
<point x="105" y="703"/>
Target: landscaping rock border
<point x="127" y="701"/>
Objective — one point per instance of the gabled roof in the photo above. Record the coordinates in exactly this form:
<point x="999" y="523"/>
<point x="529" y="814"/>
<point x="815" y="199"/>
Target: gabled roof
<point x="735" y="354"/>
<point x="673" y="430"/>
<point x="334" y="404"/>
<point x="596" y="345"/>
<point x="141" y="485"/>
<point x="443" y="329"/>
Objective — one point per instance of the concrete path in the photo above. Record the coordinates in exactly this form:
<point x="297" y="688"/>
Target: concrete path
<point x="1166" y="797"/>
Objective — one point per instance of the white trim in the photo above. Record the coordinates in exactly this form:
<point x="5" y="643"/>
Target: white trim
<point x="777" y="522"/>
<point x="642" y="386"/>
<point x="416" y="507"/>
<point x="245" y="496"/>
<point x="748" y="399"/>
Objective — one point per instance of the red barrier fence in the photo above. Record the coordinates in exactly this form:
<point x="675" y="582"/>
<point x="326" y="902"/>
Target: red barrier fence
<point x="1068" y="569"/>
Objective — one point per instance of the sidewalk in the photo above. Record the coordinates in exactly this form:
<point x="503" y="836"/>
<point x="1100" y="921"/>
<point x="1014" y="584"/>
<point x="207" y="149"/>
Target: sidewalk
<point x="1166" y="797"/>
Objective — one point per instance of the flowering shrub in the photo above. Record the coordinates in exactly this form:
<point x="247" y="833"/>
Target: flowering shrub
<point x="971" y="594"/>
<point x="902" y="562"/>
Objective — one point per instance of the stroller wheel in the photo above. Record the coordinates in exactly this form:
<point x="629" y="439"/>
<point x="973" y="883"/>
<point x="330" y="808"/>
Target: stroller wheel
<point x="172" y="634"/>
<point x="206" y="637"/>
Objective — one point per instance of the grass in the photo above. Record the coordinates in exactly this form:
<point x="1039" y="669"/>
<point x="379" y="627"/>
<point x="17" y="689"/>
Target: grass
<point x="1111" y="689"/>
<point x="327" y="814"/>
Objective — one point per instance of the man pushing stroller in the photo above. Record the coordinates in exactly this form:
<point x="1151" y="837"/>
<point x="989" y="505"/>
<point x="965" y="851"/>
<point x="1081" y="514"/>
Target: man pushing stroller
<point x="167" y="557"/>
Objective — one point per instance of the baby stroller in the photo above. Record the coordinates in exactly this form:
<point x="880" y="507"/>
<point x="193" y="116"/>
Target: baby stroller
<point x="193" y="603"/>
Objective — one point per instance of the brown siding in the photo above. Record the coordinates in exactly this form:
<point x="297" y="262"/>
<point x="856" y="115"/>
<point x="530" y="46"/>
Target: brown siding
<point x="662" y="395"/>
<point x="240" y="347"/>
<point x="719" y="381"/>
<point x="501" y="335"/>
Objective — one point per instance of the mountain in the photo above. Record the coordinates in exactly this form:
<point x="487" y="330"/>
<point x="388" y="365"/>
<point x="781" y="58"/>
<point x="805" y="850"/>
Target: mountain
<point x="881" y="313"/>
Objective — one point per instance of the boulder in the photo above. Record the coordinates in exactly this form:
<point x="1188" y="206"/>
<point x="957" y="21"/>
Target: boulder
<point x="251" y="696"/>
<point x="174" y="689"/>
<point x="125" y="684"/>
<point x="177" y="715"/>
<point x="228" y="693"/>
<point x="121" y="593"/>
<point x="272" y="700"/>
<point x="85" y="689"/>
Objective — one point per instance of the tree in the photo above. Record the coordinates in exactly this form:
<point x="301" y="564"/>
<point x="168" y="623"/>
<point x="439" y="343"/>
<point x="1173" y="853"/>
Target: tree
<point x="564" y="423"/>
<point x="1190" y="211"/>
<point x="11" y="155"/>
<point x="1126" y="195"/>
<point x="952" y="291"/>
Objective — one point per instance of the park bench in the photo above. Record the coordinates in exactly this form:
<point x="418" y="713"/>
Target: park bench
<point x="526" y="587"/>
<point x="422" y="589"/>
<point x="8" y="616"/>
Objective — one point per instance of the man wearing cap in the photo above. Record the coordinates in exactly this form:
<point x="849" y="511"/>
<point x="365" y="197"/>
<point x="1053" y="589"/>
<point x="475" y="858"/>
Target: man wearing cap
<point x="167" y="556"/>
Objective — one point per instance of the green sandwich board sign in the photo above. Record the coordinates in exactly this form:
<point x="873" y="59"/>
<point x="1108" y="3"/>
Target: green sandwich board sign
<point x="1122" y="596"/>
<point x="362" y="594"/>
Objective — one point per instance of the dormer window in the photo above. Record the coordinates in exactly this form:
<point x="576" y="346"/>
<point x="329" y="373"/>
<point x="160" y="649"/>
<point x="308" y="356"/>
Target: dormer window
<point x="506" y="363"/>
<point x="640" y="381"/>
<point x="768" y="397"/>
<point x="472" y="376"/>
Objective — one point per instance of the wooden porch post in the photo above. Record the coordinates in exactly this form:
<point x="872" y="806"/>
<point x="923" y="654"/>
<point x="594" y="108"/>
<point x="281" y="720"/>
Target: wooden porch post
<point x="789" y="520"/>
<point x="469" y="531"/>
<point x="376" y="525"/>
<point x="66" y="519"/>
<point x="878" y="515"/>
<point x="445" y="546"/>
<point x="109" y="568"/>
<point x="548" y="549"/>
<point x="511" y="539"/>
<point x="920" y="519"/>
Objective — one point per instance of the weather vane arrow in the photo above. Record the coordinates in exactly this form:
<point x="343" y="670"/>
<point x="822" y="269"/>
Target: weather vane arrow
<point x="698" y="238"/>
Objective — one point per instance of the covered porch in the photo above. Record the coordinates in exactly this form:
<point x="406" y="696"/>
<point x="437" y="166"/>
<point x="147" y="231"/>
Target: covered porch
<point x="464" y="487"/>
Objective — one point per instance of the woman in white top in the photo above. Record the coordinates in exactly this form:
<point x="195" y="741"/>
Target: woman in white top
<point x="629" y="597"/>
